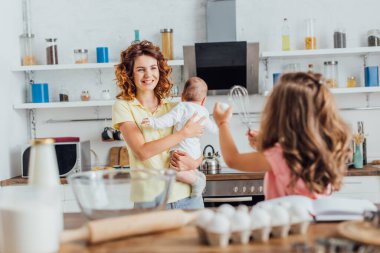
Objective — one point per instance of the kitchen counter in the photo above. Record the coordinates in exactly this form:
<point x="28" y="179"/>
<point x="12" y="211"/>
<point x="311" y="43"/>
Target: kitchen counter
<point x="186" y="240"/>
<point x="368" y="170"/>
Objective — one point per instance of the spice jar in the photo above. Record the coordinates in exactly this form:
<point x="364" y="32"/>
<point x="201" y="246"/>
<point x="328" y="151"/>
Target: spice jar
<point x="63" y="94"/>
<point x="106" y="94"/>
<point x="310" y="39"/>
<point x="351" y="82"/>
<point x="27" y="44"/>
<point x="51" y="51"/>
<point x="331" y="73"/>
<point x="81" y="56"/>
<point x="340" y="38"/>
<point x="167" y="43"/>
<point x="373" y="38"/>
<point x="85" y="95"/>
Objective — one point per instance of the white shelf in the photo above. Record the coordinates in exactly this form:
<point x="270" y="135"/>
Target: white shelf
<point x="356" y="90"/>
<point x="320" y="52"/>
<point x="80" y="66"/>
<point x="75" y="104"/>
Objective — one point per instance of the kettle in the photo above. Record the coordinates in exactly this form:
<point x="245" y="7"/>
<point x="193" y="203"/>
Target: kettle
<point x="210" y="163"/>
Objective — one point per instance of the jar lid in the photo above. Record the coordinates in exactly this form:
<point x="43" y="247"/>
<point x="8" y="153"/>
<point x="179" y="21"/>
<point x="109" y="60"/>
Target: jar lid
<point x="51" y="39"/>
<point x="330" y="63"/>
<point x="27" y="35"/>
<point x="81" y="50"/>
<point x="40" y="141"/>
<point x="166" y="30"/>
<point x="351" y="78"/>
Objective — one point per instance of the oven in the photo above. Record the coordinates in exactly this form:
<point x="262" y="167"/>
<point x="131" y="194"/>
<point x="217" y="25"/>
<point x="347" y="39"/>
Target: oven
<point x="233" y="187"/>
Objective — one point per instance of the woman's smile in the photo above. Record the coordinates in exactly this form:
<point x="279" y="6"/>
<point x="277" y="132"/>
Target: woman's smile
<point x="145" y="72"/>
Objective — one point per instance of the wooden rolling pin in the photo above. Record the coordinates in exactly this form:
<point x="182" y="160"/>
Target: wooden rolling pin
<point x="138" y="224"/>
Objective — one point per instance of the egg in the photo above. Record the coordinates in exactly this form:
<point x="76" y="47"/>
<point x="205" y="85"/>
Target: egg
<point x="227" y="210"/>
<point x="243" y="208"/>
<point x="240" y="221"/>
<point x="204" y="217"/>
<point x="219" y="224"/>
<point x="223" y="106"/>
<point x="299" y="214"/>
<point x="260" y="218"/>
<point x="279" y="216"/>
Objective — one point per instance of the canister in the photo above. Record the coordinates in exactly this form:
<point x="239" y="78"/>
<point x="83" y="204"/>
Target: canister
<point x="310" y="38"/>
<point x="51" y="51"/>
<point x="81" y="56"/>
<point x="167" y="43"/>
<point x="373" y="37"/>
<point x="27" y="44"/>
<point x="340" y="38"/>
<point x="331" y="73"/>
<point x="371" y="76"/>
<point x="40" y="93"/>
<point x="102" y="54"/>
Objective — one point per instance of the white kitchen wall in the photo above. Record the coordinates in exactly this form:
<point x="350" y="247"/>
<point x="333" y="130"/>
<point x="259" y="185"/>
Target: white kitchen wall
<point x="92" y="23"/>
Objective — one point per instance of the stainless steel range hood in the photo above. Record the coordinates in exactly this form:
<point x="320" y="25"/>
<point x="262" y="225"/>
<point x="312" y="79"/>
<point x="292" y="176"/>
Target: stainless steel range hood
<point x="221" y="20"/>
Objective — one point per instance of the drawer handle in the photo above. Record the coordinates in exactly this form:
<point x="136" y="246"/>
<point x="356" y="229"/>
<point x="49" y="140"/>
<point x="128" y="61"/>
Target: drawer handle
<point x="238" y="199"/>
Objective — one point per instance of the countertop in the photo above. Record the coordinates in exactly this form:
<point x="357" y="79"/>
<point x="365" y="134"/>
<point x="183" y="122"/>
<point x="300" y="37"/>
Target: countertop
<point x="368" y="170"/>
<point x="186" y="240"/>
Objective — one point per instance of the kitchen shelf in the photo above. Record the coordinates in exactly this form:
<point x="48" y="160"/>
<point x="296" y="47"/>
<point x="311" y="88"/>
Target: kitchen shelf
<point x="320" y="52"/>
<point x="356" y="90"/>
<point x="75" y="104"/>
<point x="80" y="66"/>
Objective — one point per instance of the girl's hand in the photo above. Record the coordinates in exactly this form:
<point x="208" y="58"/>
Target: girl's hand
<point x="193" y="128"/>
<point x="252" y="137"/>
<point x="180" y="160"/>
<point x="221" y="117"/>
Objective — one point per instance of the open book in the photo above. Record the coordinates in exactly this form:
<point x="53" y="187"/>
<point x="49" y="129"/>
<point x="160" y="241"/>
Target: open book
<point x="330" y="208"/>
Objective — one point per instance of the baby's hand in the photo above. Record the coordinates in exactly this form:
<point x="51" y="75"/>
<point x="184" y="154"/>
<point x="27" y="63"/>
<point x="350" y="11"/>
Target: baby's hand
<point x="145" y="122"/>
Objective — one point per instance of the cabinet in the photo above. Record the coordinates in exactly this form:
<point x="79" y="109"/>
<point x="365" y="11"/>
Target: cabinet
<point x="360" y="187"/>
<point x="268" y="58"/>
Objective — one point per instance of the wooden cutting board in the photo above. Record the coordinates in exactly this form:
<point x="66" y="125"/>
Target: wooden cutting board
<point x="360" y="231"/>
<point x="114" y="156"/>
<point x="123" y="156"/>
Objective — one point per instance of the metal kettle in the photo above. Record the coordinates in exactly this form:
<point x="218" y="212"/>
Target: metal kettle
<point x="210" y="163"/>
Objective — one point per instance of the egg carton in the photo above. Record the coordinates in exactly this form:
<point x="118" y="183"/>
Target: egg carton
<point x="230" y="225"/>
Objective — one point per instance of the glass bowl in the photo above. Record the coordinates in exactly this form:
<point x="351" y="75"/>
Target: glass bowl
<point x="110" y="193"/>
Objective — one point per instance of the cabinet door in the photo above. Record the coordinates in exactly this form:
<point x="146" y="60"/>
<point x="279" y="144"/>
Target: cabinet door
<point x="361" y="187"/>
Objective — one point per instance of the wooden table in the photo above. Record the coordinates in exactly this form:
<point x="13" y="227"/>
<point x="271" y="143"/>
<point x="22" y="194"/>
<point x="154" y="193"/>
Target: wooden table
<point x="186" y="240"/>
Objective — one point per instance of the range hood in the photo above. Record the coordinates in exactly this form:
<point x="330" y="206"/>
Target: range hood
<point x="221" y="20"/>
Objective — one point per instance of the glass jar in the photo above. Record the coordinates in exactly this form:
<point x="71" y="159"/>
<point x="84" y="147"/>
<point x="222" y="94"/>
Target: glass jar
<point x="331" y="73"/>
<point x="351" y="82"/>
<point x="27" y="45"/>
<point x="340" y="38"/>
<point x="85" y="95"/>
<point x="51" y="51"/>
<point x="81" y="56"/>
<point x="106" y="94"/>
<point x="167" y="43"/>
<point x="63" y="94"/>
<point x="373" y="37"/>
<point x="310" y="38"/>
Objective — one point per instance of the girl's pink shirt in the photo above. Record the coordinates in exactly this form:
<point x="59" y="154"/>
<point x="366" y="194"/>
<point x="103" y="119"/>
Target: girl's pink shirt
<point x="277" y="179"/>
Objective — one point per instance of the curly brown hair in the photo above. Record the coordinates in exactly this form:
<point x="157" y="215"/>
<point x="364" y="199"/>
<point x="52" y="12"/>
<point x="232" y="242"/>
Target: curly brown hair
<point x="124" y="70"/>
<point x="302" y="117"/>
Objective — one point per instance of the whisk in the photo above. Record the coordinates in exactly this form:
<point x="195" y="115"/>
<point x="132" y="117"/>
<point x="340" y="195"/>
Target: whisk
<point x="239" y="96"/>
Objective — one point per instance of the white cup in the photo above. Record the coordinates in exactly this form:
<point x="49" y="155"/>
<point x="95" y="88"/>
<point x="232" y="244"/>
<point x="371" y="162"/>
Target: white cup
<point x="29" y="220"/>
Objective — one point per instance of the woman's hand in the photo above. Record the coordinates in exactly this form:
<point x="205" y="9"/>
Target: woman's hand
<point x="180" y="160"/>
<point x="193" y="128"/>
<point x="221" y="117"/>
<point x="252" y="137"/>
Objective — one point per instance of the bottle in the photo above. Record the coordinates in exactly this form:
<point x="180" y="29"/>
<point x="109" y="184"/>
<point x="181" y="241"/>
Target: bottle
<point x="137" y="37"/>
<point x="167" y="43"/>
<point x="361" y="131"/>
<point x="310" y="68"/>
<point x="43" y="166"/>
<point x="285" y="35"/>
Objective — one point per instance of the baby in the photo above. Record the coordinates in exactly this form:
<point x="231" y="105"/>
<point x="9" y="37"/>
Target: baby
<point x="193" y="99"/>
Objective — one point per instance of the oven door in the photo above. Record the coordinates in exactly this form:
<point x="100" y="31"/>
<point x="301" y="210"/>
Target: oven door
<point x="233" y="192"/>
<point x="234" y="201"/>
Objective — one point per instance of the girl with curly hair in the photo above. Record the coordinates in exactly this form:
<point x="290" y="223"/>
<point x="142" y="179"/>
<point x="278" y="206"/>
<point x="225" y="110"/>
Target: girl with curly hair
<point x="303" y="143"/>
<point x="143" y="78"/>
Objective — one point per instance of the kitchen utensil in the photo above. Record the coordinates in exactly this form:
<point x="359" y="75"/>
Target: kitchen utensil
<point x="118" y="227"/>
<point x="104" y="194"/>
<point x="210" y="163"/>
<point x="239" y="96"/>
<point x="360" y="231"/>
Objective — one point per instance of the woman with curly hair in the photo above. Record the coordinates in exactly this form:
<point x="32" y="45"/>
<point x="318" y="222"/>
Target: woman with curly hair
<point x="303" y="143"/>
<point x="143" y="78"/>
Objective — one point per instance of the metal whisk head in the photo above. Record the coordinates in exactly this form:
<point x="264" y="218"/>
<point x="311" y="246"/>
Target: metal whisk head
<point x="239" y="96"/>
